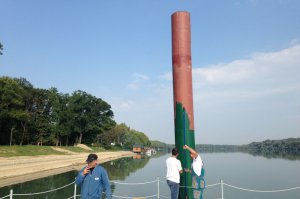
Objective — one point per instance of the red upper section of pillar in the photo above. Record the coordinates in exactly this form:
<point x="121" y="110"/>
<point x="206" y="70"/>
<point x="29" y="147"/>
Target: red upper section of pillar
<point x="182" y="65"/>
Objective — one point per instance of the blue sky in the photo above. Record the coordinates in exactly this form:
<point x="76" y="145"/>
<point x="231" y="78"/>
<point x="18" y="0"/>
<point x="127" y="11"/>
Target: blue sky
<point x="245" y="57"/>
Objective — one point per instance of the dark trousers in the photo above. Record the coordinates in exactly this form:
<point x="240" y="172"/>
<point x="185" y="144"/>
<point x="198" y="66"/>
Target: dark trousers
<point x="174" y="187"/>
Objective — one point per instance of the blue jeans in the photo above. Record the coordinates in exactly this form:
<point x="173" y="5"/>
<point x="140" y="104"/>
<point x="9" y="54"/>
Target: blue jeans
<point x="174" y="187"/>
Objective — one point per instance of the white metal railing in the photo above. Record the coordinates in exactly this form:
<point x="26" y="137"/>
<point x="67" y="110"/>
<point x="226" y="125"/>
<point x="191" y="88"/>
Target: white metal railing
<point x="157" y="195"/>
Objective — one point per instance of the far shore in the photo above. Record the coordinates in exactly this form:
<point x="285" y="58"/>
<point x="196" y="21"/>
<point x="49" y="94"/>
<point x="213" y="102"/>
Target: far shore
<point x="18" y="169"/>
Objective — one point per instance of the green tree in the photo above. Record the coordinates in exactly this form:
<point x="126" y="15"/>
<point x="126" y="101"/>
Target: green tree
<point x="122" y="136"/>
<point x="91" y="116"/>
<point x="11" y="103"/>
<point x="24" y="116"/>
<point x="135" y="137"/>
<point x="1" y="48"/>
<point x="115" y="135"/>
<point x="40" y="115"/>
<point x="45" y="116"/>
<point x="60" y="125"/>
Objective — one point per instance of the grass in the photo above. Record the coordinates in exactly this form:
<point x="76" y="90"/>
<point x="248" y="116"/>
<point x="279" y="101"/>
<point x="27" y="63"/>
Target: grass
<point x="74" y="149"/>
<point x="81" y="150"/>
<point x="98" y="149"/>
<point x="32" y="150"/>
<point x="28" y="150"/>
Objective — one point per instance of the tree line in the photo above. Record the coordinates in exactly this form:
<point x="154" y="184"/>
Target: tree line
<point x="216" y="148"/>
<point x="284" y="146"/>
<point x="290" y="146"/>
<point x="1" y="48"/>
<point x="30" y="115"/>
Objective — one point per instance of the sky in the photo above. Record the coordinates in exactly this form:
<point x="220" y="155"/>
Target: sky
<point x="245" y="59"/>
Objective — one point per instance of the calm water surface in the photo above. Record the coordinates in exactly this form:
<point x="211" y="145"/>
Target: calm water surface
<point x="239" y="169"/>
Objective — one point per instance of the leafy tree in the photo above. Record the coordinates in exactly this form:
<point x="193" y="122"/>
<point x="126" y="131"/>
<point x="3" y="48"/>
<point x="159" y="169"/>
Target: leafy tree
<point x="119" y="133"/>
<point x="45" y="116"/>
<point x="24" y="116"/>
<point x="160" y="145"/>
<point x="123" y="137"/>
<point x="60" y="125"/>
<point x="40" y="115"/>
<point x="1" y="48"/>
<point x="115" y="135"/>
<point x="91" y="116"/>
<point x="140" y="138"/>
<point x="10" y="106"/>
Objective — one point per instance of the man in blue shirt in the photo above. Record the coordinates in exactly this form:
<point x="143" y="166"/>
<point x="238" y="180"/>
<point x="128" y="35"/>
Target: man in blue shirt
<point x="93" y="180"/>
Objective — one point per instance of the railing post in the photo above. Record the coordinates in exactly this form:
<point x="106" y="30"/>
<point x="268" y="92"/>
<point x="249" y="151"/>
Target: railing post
<point x="75" y="190"/>
<point x="11" y="194"/>
<point x="222" y="195"/>
<point x="157" y="187"/>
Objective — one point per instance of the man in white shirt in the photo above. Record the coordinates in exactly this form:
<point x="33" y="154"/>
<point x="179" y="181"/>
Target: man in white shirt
<point x="198" y="182"/>
<point x="173" y="173"/>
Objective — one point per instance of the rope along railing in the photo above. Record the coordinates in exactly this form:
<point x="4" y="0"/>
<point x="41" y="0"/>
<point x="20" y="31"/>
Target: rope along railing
<point x="73" y="197"/>
<point x="134" y="196"/>
<point x="157" y="195"/>
<point x="38" y="193"/>
<point x="137" y="183"/>
<point x="115" y="196"/>
<point x="163" y="196"/>
<point x="261" y="191"/>
<point x="211" y="185"/>
<point x="5" y="196"/>
<point x="134" y="183"/>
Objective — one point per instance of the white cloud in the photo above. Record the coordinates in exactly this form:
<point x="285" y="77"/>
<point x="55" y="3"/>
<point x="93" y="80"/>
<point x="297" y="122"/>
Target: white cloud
<point x="264" y="68"/>
<point x="138" y="81"/>
<point x="294" y="42"/>
<point x="122" y="105"/>
<point x="251" y="99"/>
<point x="261" y="75"/>
<point x="132" y="86"/>
<point x="140" y="77"/>
<point x="167" y="76"/>
<point x="246" y="94"/>
<point x="223" y="73"/>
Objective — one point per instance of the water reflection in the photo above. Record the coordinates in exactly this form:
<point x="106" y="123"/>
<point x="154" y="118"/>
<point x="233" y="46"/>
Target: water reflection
<point x="270" y="155"/>
<point x="117" y="170"/>
<point x="121" y="168"/>
<point x="240" y="169"/>
<point x="43" y="184"/>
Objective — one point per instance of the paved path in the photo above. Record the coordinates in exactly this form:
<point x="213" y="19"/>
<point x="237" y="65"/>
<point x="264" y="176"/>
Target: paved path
<point x="20" y="169"/>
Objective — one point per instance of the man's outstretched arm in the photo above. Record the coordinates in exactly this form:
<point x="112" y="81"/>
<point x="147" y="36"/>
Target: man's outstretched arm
<point x="191" y="150"/>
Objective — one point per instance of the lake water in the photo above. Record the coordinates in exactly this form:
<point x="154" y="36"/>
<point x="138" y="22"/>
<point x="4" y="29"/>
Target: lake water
<point x="238" y="169"/>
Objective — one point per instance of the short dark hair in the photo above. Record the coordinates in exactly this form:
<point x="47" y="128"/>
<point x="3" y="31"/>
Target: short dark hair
<point x="175" y="151"/>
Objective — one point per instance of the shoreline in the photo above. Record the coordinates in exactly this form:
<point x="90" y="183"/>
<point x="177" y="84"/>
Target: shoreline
<point x="14" y="170"/>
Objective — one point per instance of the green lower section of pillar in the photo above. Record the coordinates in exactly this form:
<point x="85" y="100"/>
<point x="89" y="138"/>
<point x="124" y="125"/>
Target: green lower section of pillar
<point x="183" y="135"/>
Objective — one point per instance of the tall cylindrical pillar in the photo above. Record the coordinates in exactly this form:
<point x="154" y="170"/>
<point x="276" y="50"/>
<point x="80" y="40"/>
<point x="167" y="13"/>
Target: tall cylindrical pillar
<point x="183" y="95"/>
